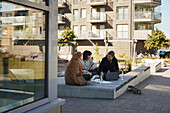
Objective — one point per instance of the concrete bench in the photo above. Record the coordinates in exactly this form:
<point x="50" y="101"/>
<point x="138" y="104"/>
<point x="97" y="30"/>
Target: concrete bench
<point x="155" y="66"/>
<point x="110" y="90"/>
<point x="23" y="74"/>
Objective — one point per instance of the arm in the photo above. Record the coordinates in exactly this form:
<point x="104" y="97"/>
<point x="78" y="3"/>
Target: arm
<point x="101" y="66"/>
<point x="115" y="67"/>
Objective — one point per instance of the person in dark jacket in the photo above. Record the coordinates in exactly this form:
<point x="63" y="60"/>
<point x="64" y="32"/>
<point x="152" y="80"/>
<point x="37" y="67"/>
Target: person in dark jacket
<point x="108" y="64"/>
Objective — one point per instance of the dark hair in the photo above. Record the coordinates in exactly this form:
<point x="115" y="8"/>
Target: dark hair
<point x="86" y="53"/>
<point x="112" y="53"/>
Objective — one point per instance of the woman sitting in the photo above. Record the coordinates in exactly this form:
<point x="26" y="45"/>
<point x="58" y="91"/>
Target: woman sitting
<point x="88" y="66"/>
<point x="73" y="72"/>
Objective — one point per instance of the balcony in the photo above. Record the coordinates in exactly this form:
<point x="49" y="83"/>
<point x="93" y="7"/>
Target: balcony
<point x="96" y="2"/>
<point x="92" y="36"/>
<point x="18" y="8"/>
<point x="61" y="3"/>
<point x="97" y="18"/>
<point x="61" y="19"/>
<point x="158" y="2"/>
<point x="7" y="20"/>
<point x="142" y="34"/>
<point x="21" y="20"/>
<point x="147" y="16"/>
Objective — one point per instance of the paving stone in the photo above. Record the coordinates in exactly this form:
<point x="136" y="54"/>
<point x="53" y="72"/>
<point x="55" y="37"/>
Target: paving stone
<point x="155" y="98"/>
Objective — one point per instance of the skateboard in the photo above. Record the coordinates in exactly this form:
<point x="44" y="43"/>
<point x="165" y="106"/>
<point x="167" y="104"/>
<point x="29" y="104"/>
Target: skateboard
<point x="135" y="90"/>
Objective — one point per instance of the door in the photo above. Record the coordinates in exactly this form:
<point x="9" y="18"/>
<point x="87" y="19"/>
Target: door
<point x="102" y="31"/>
<point x="102" y="15"/>
<point x="94" y="13"/>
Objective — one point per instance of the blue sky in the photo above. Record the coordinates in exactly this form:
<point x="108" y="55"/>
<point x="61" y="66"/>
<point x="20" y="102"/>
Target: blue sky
<point x="165" y="25"/>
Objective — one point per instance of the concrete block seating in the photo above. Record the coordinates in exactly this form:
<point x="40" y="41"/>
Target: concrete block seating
<point x="155" y="66"/>
<point x="109" y="90"/>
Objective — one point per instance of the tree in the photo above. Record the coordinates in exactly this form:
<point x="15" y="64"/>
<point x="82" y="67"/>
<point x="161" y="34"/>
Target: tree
<point x="67" y="36"/>
<point x="156" y="40"/>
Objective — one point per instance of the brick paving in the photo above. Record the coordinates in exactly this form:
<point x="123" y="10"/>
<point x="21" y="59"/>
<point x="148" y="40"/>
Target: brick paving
<point x="155" y="98"/>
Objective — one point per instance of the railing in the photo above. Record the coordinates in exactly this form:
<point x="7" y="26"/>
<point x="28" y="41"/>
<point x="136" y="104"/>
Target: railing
<point x="122" y="0"/>
<point x="21" y="20"/>
<point x="91" y="35"/>
<point x="142" y="34"/>
<point x="98" y="16"/>
<point x="148" y="15"/>
<point x="17" y="7"/>
<point x="7" y="20"/>
<point x="61" y="18"/>
<point x="96" y="1"/>
<point x="147" y="1"/>
<point x="61" y="2"/>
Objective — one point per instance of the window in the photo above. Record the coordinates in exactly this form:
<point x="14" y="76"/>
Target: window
<point x="75" y="28"/>
<point x="83" y="13"/>
<point x="75" y="14"/>
<point x="122" y="13"/>
<point x="122" y="31"/>
<point x="75" y="2"/>
<point x="83" y="30"/>
<point x="22" y="63"/>
<point x="42" y="2"/>
<point x="39" y="17"/>
<point x="61" y="30"/>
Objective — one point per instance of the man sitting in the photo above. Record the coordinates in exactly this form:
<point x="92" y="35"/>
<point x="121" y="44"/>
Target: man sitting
<point x="108" y="64"/>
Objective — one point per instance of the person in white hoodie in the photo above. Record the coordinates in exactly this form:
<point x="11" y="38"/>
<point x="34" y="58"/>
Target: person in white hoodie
<point x="88" y="66"/>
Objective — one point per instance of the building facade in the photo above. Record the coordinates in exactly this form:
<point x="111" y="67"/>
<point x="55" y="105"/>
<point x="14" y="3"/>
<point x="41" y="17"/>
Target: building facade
<point x="118" y="22"/>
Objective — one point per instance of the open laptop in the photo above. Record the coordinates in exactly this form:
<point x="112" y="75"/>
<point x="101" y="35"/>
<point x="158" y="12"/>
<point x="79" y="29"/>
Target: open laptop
<point x="111" y="76"/>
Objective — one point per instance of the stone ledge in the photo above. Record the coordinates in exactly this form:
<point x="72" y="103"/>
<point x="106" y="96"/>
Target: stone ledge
<point x="50" y="107"/>
<point x="110" y="90"/>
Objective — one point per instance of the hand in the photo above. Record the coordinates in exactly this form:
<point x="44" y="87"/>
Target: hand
<point x="89" y="73"/>
<point x="92" y="68"/>
<point x="102" y="74"/>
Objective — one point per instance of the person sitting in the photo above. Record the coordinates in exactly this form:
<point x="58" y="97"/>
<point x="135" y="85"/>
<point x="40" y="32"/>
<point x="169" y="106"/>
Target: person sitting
<point x="73" y="72"/>
<point x="108" y="64"/>
<point x="88" y="66"/>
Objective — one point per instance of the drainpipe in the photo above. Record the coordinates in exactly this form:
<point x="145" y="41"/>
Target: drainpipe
<point x="131" y="27"/>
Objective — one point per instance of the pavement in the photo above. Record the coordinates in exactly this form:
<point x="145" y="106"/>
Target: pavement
<point x="155" y="98"/>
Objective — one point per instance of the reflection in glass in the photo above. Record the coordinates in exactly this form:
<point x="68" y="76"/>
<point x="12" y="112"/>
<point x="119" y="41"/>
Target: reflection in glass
<point x="22" y="55"/>
<point x="42" y="2"/>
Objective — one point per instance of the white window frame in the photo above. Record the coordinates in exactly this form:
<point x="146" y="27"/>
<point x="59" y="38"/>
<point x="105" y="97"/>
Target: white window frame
<point x="122" y="31"/>
<point x="123" y="14"/>
<point x="52" y="39"/>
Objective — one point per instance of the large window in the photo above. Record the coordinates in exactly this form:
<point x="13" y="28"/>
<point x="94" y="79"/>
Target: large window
<point x="75" y="15"/>
<point x="75" y="29"/>
<point x="22" y="56"/>
<point x="83" y="13"/>
<point x="83" y="30"/>
<point x="122" y="13"/>
<point x="122" y="31"/>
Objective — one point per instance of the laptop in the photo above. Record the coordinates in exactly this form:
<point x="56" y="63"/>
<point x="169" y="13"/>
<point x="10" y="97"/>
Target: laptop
<point x="111" y="76"/>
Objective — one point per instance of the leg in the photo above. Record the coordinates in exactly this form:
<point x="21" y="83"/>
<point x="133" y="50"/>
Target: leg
<point x="87" y="77"/>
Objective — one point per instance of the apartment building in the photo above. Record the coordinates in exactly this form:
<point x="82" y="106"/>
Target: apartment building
<point x="121" y="22"/>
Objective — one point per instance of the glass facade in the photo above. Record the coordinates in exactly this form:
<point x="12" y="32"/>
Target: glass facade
<point x="22" y="55"/>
